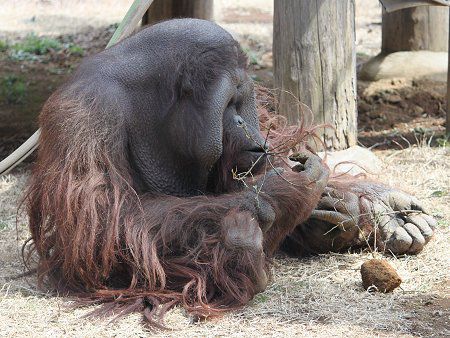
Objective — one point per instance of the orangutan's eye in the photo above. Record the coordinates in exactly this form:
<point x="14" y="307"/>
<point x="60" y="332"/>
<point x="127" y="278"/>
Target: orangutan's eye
<point x="232" y="101"/>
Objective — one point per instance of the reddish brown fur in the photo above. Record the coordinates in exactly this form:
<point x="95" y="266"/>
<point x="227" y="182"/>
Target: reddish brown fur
<point x="99" y="227"/>
<point x="96" y="238"/>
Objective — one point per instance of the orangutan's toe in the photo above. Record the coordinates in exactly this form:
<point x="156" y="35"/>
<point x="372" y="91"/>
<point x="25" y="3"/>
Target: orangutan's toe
<point x="399" y="242"/>
<point x="425" y="223"/>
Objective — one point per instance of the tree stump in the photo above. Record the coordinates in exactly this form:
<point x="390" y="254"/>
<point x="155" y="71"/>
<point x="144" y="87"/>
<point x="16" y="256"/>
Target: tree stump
<point x="168" y="9"/>
<point x="315" y="62"/>
<point x="417" y="28"/>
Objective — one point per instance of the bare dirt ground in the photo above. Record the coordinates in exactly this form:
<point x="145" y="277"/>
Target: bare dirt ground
<point x="395" y="113"/>
<point x="314" y="297"/>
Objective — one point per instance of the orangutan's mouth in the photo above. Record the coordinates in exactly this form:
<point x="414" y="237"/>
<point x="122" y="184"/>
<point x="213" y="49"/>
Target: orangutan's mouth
<point x="258" y="150"/>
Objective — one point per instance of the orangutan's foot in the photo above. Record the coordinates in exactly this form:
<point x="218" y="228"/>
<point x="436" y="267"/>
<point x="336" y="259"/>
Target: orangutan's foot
<point x="396" y="220"/>
<point x="404" y="225"/>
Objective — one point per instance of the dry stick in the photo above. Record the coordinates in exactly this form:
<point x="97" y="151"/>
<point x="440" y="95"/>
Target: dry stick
<point x="267" y="136"/>
<point x="266" y="152"/>
<point x="241" y="176"/>
<point x="264" y="180"/>
<point x="125" y="28"/>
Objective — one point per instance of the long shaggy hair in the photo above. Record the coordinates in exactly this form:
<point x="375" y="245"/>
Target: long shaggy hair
<point x="97" y="239"/>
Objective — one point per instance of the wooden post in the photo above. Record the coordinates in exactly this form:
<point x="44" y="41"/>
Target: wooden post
<point x="168" y="9"/>
<point x="417" y="28"/>
<point x="315" y="62"/>
<point x="447" y="122"/>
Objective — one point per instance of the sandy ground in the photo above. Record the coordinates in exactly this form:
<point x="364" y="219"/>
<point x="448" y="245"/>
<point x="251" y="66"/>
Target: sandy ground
<point x="315" y="297"/>
<point x="57" y="17"/>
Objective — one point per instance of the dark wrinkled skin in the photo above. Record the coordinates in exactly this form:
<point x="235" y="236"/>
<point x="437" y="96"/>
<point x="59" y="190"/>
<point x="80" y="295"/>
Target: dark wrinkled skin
<point x="403" y="226"/>
<point x="171" y="159"/>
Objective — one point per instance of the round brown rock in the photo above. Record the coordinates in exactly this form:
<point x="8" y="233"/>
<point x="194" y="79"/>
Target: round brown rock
<point x="379" y="273"/>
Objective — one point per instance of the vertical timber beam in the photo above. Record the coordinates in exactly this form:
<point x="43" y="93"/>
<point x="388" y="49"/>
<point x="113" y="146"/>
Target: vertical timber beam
<point x="168" y="9"/>
<point x="416" y="28"/>
<point x="315" y="63"/>
<point x="447" y="121"/>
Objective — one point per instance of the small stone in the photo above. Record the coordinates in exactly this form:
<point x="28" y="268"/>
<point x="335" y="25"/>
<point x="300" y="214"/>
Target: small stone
<point x="418" y="110"/>
<point x="363" y="106"/>
<point x="354" y="160"/>
<point x="379" y="273"/>
<point x="393" y="98"/>
<point x="267" y="59"/>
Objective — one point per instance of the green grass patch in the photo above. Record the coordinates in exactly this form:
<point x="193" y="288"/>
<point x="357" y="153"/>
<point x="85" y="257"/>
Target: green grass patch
<point x="443" y="223"/>
<point x="75" y="50"/>
<point x="13" y="89"/>
<point x="261" y="298"/>
<point x="3" y="46"/>
<point x="36" y="45"/>
<point x="439" y="193"/>
<point x="36" y="48"/>
<point x="362" y="55"/>
<point x="443" y="141"/>
<point x="252" y="56"/>
<point x="56" y="71"/>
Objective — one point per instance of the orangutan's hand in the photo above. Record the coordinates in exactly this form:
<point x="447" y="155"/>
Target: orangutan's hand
<point x="313" y="167"/>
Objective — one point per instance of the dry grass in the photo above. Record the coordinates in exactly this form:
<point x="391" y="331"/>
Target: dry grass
<point x="56" y="17"/>
<point x="316" y="297"/>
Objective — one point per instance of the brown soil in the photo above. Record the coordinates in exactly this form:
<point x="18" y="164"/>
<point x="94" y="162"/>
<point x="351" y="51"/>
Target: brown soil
<point x="429" y="315"/>
<point x="397" y="113"/>
<point x="18" y="120"/>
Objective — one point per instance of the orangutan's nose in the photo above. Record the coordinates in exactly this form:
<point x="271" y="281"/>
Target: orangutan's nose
<point x="238" y="120"/>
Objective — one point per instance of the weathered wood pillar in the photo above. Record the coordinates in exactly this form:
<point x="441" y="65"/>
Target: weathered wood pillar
<point x="168" y="9"/>
<point x="447" y="119"/>
<point x="416" y="28"/>
<point x="315" y="62"/>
